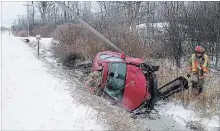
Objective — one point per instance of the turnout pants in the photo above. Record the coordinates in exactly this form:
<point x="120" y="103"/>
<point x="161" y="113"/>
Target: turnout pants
<point x="196" y="82"/>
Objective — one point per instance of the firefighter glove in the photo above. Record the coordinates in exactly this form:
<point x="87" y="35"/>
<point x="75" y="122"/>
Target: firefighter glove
<point x="188" y="75"/>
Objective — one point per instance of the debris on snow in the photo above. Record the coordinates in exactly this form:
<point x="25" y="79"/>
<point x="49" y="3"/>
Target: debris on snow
<point x="195" y="125"/>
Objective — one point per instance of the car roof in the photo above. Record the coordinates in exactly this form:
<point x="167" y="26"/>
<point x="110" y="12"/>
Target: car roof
<point x="109" y="56"/>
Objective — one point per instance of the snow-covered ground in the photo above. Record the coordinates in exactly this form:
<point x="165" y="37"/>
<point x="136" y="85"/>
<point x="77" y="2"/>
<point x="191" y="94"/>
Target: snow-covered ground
<point x="155" y="25"/>
<point x="45" y="42"/>
<point x="33" y="99"/>
<point x="173" y="114"/>
<point x="183" y="115"/>
<point x="44" y="48"/>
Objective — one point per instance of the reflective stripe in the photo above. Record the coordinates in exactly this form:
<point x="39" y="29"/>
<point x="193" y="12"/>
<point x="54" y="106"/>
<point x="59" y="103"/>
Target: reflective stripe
<point x="193" y="58"/>
<point x="205" y="69"/>
<point x="206" y="60"/>
<point x="196" y="64"/>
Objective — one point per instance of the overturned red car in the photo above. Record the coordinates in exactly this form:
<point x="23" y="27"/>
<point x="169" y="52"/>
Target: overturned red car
<point x="132" y="81"/>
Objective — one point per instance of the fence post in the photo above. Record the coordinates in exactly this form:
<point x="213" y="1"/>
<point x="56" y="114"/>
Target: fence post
<point x="38" y="37"/>
<point x="38" y="48"/>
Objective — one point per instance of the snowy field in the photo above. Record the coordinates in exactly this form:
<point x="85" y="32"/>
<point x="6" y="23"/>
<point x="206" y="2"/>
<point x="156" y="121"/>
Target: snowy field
<point x="33" y="99"/>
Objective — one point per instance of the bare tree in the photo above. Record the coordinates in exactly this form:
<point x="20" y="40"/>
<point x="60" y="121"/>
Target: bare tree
<point x="172" y="12"/>
<point x="44" y="8"/>
<point x="218" y="36"/>
<point x="188" y="23"/>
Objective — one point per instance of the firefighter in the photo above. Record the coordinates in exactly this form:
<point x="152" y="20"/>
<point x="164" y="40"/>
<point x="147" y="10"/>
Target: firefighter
<point x="198" y="67"/>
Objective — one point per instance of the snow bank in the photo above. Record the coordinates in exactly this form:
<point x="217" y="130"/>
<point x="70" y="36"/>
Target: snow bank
<point x="155" y="25"/>
<point x="33" y="99"/>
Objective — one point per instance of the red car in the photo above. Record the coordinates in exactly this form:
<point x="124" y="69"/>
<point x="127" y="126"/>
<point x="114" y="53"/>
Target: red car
<point x="132" y="81"/>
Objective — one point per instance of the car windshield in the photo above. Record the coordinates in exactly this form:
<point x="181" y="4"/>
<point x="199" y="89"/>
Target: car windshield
<point x="110" y="58"/>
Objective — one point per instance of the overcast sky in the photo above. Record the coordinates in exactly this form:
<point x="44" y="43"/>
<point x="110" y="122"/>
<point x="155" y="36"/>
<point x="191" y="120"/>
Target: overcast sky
<point x="10" y="11"/>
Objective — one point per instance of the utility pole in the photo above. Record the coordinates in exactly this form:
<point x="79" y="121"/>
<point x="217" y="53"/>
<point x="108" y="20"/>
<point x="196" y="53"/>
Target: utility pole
<point x="33" y="12"/>
<point x="27" y="16"/>
<point x="65" y="8"/>
<point x="19" y="22"/>
<point x="15" y="27"/>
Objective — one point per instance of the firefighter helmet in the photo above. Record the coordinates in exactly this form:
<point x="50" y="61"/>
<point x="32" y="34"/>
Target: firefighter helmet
<point x="199" y="49"/>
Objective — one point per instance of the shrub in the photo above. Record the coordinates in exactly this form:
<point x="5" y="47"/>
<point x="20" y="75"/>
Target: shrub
<point x="35" y="31"/>
<point x="47" y="30"/>
<point x="43" y="30"/>
<point x="74" y="38"/>
<point x="22" y="33"/>
<point x="127" y="41"/>
<point x="69" y="60"/>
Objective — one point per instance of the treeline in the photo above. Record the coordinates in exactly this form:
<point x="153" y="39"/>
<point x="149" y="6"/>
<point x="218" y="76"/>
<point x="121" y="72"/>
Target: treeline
<point x="4" y="28"/>
<point x="166" y="29"/>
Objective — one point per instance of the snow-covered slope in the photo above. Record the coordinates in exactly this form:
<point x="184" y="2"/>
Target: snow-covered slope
<point x="33" y="99"/>
<point x="183" y="115"/>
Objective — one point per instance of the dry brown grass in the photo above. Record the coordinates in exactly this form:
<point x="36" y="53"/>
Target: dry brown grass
<point x="74" y="38"/>
<point x="208" y="102"/>
<point x="205" y="104"/>
<point x="128" y="41"/>
<point x="22" y="33"/>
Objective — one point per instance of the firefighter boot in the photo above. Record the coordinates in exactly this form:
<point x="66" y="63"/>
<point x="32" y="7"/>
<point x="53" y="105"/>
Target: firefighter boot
<point x="194" y="85"/>
<point x="200" y="90"/>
